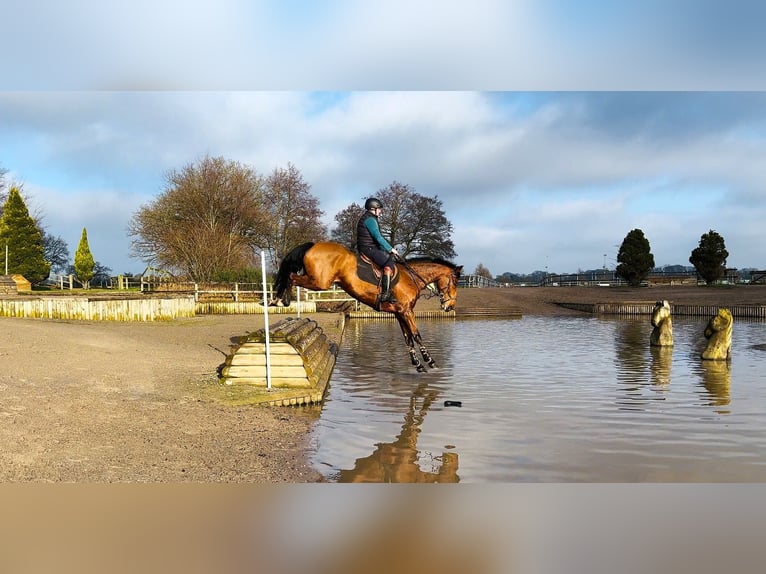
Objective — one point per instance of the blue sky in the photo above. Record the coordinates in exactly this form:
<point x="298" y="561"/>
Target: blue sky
<point x="545" y="148"/>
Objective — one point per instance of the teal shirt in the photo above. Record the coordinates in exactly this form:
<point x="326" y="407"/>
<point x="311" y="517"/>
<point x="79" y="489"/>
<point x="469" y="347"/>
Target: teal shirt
<point x="371" y="223"/>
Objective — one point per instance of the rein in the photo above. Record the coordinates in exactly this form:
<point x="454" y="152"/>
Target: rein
<point x="433" y="292"/>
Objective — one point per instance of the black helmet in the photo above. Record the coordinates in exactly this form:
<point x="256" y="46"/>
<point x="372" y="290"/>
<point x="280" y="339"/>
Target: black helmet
<point x="373" y="203"/>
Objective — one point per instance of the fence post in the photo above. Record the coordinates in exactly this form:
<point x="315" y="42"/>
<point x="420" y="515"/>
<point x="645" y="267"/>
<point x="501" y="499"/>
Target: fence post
<point x="266" y="321"/>
<point x="236" y="292"/>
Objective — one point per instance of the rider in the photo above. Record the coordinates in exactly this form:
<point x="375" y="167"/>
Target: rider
<point x="371" y="243"/>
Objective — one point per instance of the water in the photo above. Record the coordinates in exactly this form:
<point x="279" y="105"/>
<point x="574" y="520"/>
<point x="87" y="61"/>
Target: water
<point x="545" y="400"/>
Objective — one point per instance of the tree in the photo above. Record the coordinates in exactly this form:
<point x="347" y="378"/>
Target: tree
<point x="344" y="231"/>
<point x="635" y="259"/>
<point x="3" y="171"/>
<point x="101" y="274"/>
<point x="56" y="252"/>
<point x="709" y="258"/>
<point x="24" y="239"/>
<point x="482" y="271"/>
<point x="204" y="223"/>
<point x="84" y="264"/>
<point x="293" y="214"/>
<point x="413" y="223"/>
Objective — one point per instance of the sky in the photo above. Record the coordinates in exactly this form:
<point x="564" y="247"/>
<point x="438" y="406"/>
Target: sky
<point x="547" y="131"/>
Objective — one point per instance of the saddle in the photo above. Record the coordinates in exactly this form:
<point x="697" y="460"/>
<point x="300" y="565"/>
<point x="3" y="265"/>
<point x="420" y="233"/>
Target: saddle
<point x="368" y="271"/>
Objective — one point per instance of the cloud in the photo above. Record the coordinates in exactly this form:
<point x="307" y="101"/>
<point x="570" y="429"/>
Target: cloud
<point x="567" y="174"/>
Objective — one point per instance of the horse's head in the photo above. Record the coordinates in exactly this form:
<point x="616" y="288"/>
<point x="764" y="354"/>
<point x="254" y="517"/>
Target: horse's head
<point x="660" y="313"/>
<point x="446" y="284"/>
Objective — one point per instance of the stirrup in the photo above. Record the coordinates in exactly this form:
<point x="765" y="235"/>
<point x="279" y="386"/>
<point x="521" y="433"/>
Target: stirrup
<point x="387" y="297"/>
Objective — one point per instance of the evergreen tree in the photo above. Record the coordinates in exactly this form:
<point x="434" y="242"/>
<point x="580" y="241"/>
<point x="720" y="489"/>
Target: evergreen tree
<point x="709" y="258"/>
<point x="84" y="264"/>
<point x="635" y="259"/>
<point x="18" y="230"/>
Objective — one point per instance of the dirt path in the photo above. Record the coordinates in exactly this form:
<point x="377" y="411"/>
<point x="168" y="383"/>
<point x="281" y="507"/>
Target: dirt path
<point x="138" y="402"/>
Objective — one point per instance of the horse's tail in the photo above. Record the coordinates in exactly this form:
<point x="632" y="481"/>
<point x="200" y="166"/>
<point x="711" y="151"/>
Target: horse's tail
<point x="291" y="263"/>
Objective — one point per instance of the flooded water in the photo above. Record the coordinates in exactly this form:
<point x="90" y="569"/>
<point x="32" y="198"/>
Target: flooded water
<point x="545" y="399"/>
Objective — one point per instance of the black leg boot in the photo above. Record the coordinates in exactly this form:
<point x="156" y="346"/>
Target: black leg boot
<point x="387" y="297"/>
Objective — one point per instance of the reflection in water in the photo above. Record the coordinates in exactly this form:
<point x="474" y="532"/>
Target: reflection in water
<point x="630" y="346"/>
<point x="397" y="461"/>
<point x="546" y="400"/>
<point x="630" y="360"/>
<point x="662" y="359"/>
<point x="716" y="378"/>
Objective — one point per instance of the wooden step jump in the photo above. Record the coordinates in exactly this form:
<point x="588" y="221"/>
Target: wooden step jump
<point x="301" y="360"/>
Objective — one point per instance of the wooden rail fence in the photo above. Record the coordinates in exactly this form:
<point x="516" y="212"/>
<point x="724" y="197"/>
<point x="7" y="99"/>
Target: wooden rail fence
<point x="645" y="308"/>
<point x="88" y="309"/>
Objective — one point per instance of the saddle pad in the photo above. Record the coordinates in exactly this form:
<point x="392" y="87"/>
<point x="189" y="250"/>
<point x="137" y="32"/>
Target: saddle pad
<point x="368" y="272"/>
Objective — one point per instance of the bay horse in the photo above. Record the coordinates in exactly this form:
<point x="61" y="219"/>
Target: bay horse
<point x="317" y="266"/>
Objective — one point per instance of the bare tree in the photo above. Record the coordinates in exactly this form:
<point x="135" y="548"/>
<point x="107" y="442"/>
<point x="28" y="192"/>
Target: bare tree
<point x="204" y="222"/>
<point x="413" y="223"/>
<point x="293" y="214"/>
<point x="56" y="252"/>
<point x="482" y="271"/>
<point x="345" y="230"/>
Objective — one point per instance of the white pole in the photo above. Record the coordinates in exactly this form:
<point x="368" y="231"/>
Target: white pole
<point x="6" y="259"/>
<point x="266" y="321"/>
<point x="298" y="302"/>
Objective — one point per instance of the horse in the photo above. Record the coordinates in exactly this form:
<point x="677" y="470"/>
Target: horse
<point x="718" y="334"/>
<point x="317" y="266"/>
<point x="662" y="334"/>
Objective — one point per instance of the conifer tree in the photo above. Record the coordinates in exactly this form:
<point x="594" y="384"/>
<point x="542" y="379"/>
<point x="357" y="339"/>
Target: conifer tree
<point x="84" y="264"/>
<point x="18" y="230"/>
<point x="709" y="258"/>
<point x="635" y="259"/>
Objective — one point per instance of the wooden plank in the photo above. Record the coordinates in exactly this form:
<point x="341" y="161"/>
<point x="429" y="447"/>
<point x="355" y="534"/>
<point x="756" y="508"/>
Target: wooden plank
<point x="274" y="348"/>
<point x="283" y="382"/>
<point x="277" y="360"/>
<point x="260" y="371"/>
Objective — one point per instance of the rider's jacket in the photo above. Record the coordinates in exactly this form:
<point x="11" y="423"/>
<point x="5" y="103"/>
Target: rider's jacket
<point x="368" y="234"/>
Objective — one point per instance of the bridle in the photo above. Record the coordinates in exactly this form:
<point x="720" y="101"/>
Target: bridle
<point x="430" y="284"/>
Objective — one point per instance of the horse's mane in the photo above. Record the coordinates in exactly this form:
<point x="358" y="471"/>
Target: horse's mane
<point x="436" y="260"/>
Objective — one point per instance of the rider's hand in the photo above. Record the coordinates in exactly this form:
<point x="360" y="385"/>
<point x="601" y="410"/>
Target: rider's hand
<point x="394" y="252"/>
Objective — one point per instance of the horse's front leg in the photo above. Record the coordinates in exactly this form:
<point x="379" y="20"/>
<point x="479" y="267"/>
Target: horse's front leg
<point x="410" y="342"/>
<point x="423" y="351"/>
<point x="412" y="336"/>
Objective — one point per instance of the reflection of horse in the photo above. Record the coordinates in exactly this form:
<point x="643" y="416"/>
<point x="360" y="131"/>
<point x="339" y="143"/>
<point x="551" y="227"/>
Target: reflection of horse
<point x="662" y="334"/>
<point x="718" y="335"/>
<point x="397" y="461"/>
<point x="316" y="266"/>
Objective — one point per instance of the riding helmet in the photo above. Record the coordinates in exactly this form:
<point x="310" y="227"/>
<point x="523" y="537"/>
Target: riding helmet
<point x="373" y="203"/>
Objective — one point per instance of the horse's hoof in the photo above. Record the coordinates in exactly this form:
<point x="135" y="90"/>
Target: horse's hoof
<point x="421" y="369"/>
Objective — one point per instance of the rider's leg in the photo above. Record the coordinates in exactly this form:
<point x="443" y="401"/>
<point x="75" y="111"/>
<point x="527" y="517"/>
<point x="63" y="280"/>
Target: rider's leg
<point x="387" y="297"/>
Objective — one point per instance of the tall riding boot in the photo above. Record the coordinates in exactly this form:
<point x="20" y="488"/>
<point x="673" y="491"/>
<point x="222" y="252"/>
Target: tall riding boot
<point x="387" y="297"/>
